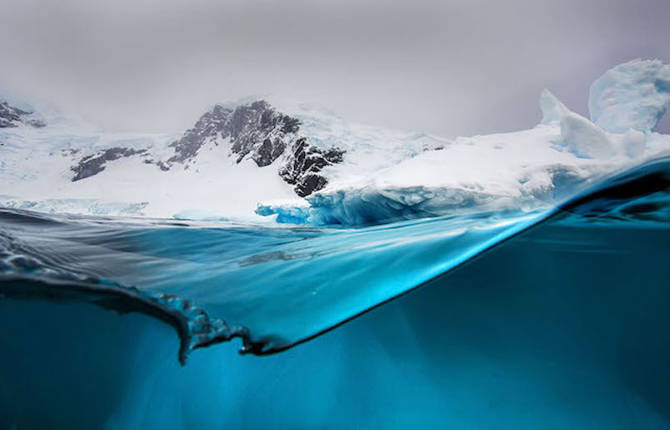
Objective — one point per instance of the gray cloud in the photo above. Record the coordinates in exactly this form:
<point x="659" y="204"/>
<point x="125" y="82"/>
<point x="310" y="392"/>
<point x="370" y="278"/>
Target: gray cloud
<point x="448" y="67"/>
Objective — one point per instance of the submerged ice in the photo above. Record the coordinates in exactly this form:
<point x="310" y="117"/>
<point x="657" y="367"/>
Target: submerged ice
<point x="560" y="325"/>
<point x="556" y="317"/>
<point x="480" y="189"/>
<point x="277" y="286"/>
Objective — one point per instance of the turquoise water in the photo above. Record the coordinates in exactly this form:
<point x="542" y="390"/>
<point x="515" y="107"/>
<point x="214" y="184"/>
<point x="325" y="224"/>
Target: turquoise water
<point x="554" y="319"/>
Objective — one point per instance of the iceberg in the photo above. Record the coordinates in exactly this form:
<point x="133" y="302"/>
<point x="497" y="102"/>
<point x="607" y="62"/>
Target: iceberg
<point x="308" y="165"/>
<point x="286" y="211"/>
<point x="582" y="137"/>
<point x="530" y="169"/>
<point x="553" y="110"/>
<point x="634" y="95"/>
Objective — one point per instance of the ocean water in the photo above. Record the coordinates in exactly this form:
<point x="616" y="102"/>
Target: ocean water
<point x="550" y="319"/>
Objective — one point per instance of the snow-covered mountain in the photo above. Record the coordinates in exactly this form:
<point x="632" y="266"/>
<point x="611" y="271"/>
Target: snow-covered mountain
<point x="305" y="164"/>
<point x="235" y="156"/>
<point x="15" y="116"/>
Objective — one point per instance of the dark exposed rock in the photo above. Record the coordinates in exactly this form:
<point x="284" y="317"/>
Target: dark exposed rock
<point x="210" y="126"/>
<point x="304" y="164"/>
<point x="70" y="151"/>
<point x="255" y="130"/>
<point x="163" y="166"/>
<point x="259" y="132"/>
<point x="11" y="116"/>
<point x="160" y="164"/>
<point x="268" y="152"/>
<point x="96" y="163"/>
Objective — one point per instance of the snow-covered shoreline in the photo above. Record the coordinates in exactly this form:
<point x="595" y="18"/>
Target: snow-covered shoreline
<point x="247" y="161"/>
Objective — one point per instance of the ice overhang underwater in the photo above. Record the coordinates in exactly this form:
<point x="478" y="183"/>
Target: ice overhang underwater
<point x="276" y="286"/>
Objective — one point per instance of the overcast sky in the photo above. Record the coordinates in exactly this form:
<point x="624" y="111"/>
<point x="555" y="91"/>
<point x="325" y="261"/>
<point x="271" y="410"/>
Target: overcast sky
<point x="447" y="67"/>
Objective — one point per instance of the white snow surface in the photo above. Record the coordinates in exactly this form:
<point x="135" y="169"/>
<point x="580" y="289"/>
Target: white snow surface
<point x="386" y="175"/>
<point x="35" y="169"/>
<point x="525" y="170"/>
<point x="35" y="174"/>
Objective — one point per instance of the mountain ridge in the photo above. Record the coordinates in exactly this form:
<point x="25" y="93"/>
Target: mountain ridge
<point x="303" y="164"/>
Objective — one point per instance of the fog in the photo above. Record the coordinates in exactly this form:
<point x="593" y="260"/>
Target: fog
<point x="447" y="67"/>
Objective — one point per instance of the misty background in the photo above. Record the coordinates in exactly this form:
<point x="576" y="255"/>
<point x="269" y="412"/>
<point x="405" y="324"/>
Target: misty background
<point x="456" y="67"/>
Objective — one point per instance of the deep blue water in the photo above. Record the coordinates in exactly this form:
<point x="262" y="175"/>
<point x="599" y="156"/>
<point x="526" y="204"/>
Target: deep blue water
<point x="554" y="319"/>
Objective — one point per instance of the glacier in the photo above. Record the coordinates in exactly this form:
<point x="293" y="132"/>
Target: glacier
<point x="298" y="163"/>
<point x="529" y="169"/>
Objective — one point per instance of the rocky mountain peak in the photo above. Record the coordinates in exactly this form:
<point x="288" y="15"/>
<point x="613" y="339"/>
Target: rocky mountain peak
<point x="256" y="130"/>
<point x="259" y="131"/>
<point x="210" y="126"/>
<point x="11" y="116"/>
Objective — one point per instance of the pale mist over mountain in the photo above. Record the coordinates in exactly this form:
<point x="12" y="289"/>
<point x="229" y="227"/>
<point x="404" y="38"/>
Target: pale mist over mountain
<point x="444" y="67"/>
